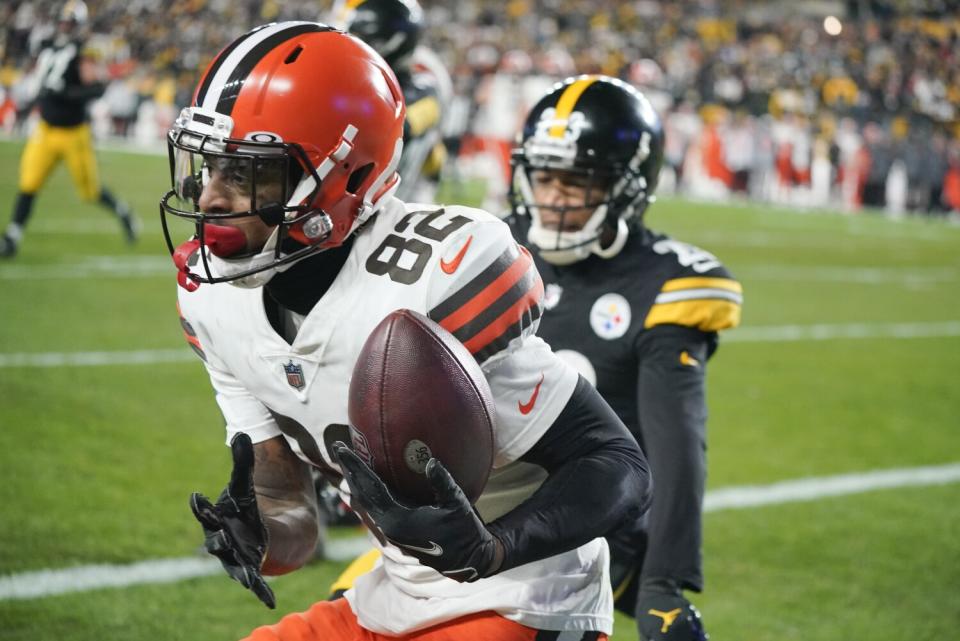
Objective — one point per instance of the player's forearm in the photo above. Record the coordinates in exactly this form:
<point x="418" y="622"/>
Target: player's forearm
<point x="84" y="92"/>
<point x="598" y="478"/>
<point x="288" y="506"/>
<point x="291" y="535"/>
<point x="671" y="394"/>
<point x="571" y="509"/>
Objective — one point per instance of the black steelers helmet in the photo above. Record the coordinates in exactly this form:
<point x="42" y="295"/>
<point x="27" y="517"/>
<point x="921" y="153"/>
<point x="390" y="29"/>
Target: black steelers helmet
<point x="607" y="132"/>
<point x="391" y="27"/>
<point x="74" y="12"/>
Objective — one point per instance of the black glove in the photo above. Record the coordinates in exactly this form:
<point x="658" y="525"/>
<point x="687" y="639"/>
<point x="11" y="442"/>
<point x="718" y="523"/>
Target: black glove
<point x="234" y="531"/>
<point x="448" y="537"/>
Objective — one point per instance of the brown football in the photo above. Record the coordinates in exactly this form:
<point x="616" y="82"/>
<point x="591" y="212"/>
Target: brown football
<point x="417" y="393"/>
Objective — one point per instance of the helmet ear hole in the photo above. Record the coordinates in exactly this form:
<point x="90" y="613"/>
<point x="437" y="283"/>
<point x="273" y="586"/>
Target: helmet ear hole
<point x="357" y="177"/>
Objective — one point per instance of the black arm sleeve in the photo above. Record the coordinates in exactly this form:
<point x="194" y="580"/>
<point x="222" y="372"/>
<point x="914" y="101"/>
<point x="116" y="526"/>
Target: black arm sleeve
<point x="597" y="479"/>
<point x="84" y="91"/>
<point x="671" y="405"/>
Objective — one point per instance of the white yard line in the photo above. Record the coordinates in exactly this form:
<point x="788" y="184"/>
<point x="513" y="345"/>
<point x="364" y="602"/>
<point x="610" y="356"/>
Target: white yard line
<point x="823" y="332"/>
<point x="98" y="266"/>
<point x="761" y="334"/>
<point x="92" y="359"/>
<point x="43" y="583"/>
<point x="125" y="266"/>
<point x="839" y="274"/>
<point x="813" y="488"/>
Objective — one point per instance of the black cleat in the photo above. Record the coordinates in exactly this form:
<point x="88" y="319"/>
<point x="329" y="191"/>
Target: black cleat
<point x="8" y="247"/>
<point x="668" y="617"/>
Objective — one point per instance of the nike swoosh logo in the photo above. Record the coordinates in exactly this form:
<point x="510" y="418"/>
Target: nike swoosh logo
<point x="450" y="267"/>
<point x="463" y="575"/>
<point x="526" y="408"/>
<point x="433" y="550"/>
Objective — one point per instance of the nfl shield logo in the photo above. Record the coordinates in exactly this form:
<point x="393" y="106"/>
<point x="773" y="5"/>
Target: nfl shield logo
<point x="551" y="295"/>
<point x="359" y="443"/>
<point x="295" y="376"/>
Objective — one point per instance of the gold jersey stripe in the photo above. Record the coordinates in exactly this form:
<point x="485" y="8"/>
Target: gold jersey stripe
<point x="568" y="99"/>
<point x="422" y="115"/>
<point x="700" y="282"/>
<point x="359" y="566"/>
<point x="708" y="315"/>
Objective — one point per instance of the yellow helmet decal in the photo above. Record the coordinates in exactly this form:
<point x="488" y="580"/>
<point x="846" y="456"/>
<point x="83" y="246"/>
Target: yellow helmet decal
<point x="568" y="100"/>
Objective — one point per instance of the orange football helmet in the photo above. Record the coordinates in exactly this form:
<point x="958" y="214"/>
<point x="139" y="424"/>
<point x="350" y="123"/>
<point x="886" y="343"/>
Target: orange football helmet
<point x="298" y="103"/>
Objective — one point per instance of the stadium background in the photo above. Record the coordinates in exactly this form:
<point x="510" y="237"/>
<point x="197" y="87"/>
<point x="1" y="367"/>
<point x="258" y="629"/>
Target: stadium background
<point x="821" y="168"/>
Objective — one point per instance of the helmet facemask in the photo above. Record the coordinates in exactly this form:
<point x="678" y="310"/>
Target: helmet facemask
<point x="279" y="181"/>
<point x="605" y="135"/>
<point x="615" y="195"/>
<point x="306" y="122"/>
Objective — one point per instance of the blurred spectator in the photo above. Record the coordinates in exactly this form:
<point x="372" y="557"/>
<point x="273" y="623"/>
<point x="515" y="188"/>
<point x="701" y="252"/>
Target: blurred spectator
<point x="778" y="67"/>
<point x="880" y="157"/>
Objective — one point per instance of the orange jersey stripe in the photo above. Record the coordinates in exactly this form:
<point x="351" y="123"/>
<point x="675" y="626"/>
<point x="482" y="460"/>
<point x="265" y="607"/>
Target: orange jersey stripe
<point x="193" y="340"/>
<point x="476" y="305"/>
<point x="507" y="319"/>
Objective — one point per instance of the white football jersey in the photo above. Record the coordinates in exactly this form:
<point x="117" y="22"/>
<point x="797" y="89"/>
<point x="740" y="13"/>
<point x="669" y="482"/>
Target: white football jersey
<point x="462" y="268"/>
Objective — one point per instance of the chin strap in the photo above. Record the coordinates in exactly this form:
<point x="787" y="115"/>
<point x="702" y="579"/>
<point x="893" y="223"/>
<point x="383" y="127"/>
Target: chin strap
<point x="618" y="241"/>
<point x="221" y="240"/>
<point x="576" y="253"/>
<point x="181" y="256"/>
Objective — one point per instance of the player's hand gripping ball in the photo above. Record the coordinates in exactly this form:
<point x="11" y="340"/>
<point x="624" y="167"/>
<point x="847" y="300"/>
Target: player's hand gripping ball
<point x="417" y="394"/>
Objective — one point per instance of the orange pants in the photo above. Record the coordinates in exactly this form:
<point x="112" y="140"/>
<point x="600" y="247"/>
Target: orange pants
<point x="335" y="621"/>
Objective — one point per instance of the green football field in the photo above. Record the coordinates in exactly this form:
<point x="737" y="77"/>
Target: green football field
<point x="846" y="364"/>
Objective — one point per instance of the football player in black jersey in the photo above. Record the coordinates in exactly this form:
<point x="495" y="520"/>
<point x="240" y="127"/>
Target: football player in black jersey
<point x="393" y="28"/>
<point x="635" y="311"/>
<point x="66" y="85"/>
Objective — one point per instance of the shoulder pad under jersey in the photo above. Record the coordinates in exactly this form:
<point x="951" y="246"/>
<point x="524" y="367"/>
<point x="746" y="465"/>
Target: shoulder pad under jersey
<point x="698" y="292"/>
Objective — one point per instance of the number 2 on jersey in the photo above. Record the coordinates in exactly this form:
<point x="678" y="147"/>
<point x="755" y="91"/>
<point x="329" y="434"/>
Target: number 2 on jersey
<point x="403" y="259"/>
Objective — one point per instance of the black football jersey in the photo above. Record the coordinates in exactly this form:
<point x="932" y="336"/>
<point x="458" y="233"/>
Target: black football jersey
<point x="63" y="97"/>
<point x="606" y="315"/>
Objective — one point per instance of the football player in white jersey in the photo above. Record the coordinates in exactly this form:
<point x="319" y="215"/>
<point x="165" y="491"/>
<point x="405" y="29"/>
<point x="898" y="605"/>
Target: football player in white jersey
<point x="285" y="167"/>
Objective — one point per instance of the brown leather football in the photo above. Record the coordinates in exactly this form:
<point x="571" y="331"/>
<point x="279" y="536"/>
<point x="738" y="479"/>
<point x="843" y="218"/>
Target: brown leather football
<point x="417" y="393"/>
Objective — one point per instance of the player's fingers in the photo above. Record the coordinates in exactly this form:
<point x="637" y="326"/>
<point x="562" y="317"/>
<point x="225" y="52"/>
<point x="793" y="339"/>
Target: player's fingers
<point x="364" y="483"/>
<point x="205" y="512"/>
<point x="216" y="543"/>
<point x="259" y="587"/>
<point x="238" y="572"/>
<point x="444" y="486"/>
<point x="351" y="467"/>
<point x="241" y="479"/>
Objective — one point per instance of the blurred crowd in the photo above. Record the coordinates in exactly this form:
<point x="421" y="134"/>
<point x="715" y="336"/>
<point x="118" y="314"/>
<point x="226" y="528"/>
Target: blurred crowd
<point x="847" y="104"/>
